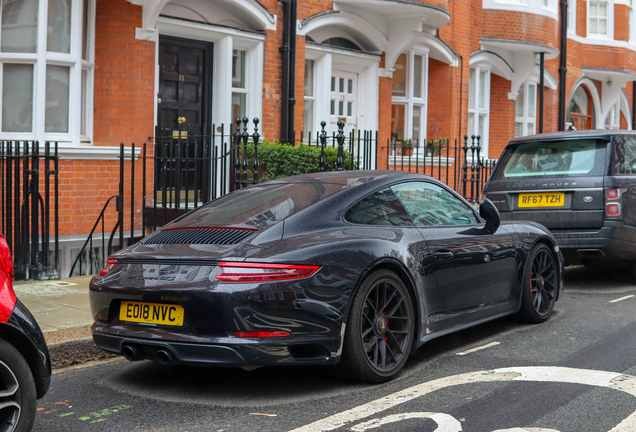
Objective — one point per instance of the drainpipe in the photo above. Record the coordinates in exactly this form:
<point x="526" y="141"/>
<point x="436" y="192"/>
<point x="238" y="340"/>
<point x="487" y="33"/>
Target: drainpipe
<point x="288" y="51"/>
<point x="563" y="64"/>
<point x="541" y="89"/>
<point x="634" y="105"/>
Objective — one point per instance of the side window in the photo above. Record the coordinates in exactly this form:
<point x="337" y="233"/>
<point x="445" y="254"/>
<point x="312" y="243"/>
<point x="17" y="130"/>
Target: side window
<point x="381" y="208"/>
<point x="432" y="205"/>
<point x="624" y="155"/>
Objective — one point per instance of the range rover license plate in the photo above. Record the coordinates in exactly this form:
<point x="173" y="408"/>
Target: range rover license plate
<point x="151" y="313"/>
<point x="544" y="199"/>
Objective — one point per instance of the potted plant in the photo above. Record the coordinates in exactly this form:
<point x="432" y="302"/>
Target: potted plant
<point x="407" y="147"/>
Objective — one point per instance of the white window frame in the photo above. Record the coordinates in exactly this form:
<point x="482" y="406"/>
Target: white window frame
<point x="476" y="112"/>
<point x="409" y="100"/>
<point x="572" y="17"/>
<point x="308" y="123"/>
<point x="610" y="20"/>
<point x="326" y="60"/>
<point x="245" y="90"/>
<point x="73" y="60"/>
<point x="549" y="5"/>
<point x="525" y="119"/>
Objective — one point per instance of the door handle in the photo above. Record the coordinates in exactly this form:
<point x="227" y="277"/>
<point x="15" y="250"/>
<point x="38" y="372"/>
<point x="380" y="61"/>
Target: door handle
<point x="443" y="255"/>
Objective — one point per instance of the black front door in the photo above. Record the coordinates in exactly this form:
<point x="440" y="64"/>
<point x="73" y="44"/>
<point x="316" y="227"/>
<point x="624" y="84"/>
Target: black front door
<point x="183" y="102"/>
<point x="184" y="87"/>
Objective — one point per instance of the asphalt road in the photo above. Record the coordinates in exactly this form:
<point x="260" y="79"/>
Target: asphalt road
<point x="576" y="372"/>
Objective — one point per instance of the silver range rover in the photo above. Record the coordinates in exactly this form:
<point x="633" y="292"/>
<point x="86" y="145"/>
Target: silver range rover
<point x="581" y="185"/>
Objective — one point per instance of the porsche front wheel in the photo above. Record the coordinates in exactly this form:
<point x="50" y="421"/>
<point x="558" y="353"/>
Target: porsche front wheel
<point x="540" y="285"/>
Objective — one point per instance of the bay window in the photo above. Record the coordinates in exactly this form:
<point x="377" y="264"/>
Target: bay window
<point x="409" y="98"/>
<point x="600" y="13"/>
<point x="47" y="69"/>
<point x="479" y="106"/>
<point x="526" y="110"/>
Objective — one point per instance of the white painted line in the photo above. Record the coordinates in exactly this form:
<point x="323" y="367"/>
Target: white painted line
<point x="446" y="422"/>
<point x="479" y="348"/>
<point x="621" y="299"/>
<point x="612" y="380"/>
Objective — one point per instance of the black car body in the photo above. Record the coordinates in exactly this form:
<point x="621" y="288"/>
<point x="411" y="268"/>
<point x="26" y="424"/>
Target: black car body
<point x="317" y="241"/>
<point x="25" y="365"/>
<point x="590" y="177"/>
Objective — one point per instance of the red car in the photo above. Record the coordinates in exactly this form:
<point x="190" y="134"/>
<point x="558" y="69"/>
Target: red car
<point x="25" y="365"/>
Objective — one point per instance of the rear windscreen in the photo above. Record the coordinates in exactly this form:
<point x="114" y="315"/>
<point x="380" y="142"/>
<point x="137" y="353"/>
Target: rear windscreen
<point x="534" y="159"/>
<point x="259" y="206"/>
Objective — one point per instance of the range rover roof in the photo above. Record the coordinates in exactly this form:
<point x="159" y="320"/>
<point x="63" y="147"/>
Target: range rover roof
<point x="604" y="134"/>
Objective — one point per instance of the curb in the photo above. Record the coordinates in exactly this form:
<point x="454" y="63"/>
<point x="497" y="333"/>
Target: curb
<point x="75" y="352"/>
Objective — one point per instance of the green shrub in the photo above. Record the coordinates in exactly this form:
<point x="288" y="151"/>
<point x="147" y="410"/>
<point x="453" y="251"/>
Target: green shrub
<point x="277" y="160"/>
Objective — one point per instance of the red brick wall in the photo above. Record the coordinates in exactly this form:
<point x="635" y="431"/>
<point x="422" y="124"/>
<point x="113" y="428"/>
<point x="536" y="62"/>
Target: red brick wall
<point x="621" y="22"/>
<point x="509" y="25"/>
<point x="124" y="76"/>
<point x="581" y="17"/>
<point x="502" y="116"/>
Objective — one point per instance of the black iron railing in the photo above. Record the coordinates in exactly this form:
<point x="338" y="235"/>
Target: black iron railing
<point x="192" y="170"/>
<point x="27" y="216"/>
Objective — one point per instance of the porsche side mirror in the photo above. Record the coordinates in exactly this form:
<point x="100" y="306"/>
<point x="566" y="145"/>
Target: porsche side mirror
<point x="488" y="211"/>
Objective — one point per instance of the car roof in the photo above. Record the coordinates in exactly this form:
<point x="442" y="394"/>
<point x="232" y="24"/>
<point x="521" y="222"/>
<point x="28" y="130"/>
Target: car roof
<point x="603" y="134"/>
<point x="352" y="178"/>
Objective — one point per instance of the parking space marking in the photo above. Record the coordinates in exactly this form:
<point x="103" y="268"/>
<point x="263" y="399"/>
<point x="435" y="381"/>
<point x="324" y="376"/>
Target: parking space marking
<point x="478" y="348"/>
<point x="612" y="380"/>
<point x="621" y="299"/>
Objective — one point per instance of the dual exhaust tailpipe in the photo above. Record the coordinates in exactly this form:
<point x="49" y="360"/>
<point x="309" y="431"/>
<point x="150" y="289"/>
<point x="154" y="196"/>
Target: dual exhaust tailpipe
<point x="163" y="356"/>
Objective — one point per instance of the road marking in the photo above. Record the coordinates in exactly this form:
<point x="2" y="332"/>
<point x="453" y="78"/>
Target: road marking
<point x="478" y="348"/>
<point x="621" y="299"/>
<point x="446" y="423"/>
<point x="612" y="380"/>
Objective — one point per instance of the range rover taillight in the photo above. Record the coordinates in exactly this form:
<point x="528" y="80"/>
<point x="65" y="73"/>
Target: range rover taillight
<point x="612" y="194"/>
<point x="613" y="203"/>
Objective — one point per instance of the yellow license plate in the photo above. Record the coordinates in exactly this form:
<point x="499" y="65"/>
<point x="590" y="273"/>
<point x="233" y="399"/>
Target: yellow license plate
<point x="151" y="313"/>
<point x="549" y="199"/>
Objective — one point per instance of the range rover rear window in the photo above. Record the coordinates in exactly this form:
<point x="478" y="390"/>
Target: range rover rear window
<point x="550" y="158"/>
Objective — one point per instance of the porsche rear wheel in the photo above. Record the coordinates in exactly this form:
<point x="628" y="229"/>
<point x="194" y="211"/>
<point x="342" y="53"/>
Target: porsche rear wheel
<point x="379" y="330"/>
<point x="540" y="285"/>
<point x="17" y="391"/>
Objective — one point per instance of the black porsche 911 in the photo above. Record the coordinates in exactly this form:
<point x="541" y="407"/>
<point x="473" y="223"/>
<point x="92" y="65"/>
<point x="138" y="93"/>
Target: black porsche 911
<point x="354" y="268"/>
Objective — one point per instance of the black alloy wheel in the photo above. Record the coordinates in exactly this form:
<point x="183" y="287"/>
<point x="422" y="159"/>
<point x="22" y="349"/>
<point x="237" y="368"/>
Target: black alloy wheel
<point x="17" y="391"/>
<point x="380" y="329"/>
<point x="541" y="283"/>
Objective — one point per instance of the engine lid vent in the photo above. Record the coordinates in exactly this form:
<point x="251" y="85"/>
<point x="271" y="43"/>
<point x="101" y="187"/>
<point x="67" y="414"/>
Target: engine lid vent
<point x="215" y="236"/>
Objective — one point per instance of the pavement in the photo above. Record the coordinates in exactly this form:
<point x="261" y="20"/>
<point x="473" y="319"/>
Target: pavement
<point x="62" y="309"/>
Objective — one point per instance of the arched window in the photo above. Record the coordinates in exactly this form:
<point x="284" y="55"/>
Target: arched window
<point x="342" y="43"/>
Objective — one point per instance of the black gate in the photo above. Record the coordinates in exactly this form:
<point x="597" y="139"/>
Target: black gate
<point x="30" y="190"/>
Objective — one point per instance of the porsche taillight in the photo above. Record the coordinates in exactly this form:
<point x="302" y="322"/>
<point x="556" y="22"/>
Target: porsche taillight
<point x="260" y="272"/>
<point x="6" y="264"/>
<point x="109" y="265"/>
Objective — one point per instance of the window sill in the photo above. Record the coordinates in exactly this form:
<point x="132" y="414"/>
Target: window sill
<point x="68" y="151"/>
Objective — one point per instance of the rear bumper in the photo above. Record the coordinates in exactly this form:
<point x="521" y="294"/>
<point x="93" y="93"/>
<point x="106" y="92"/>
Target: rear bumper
<point x="607" y="245"/>
<point x="240" y="352"/>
